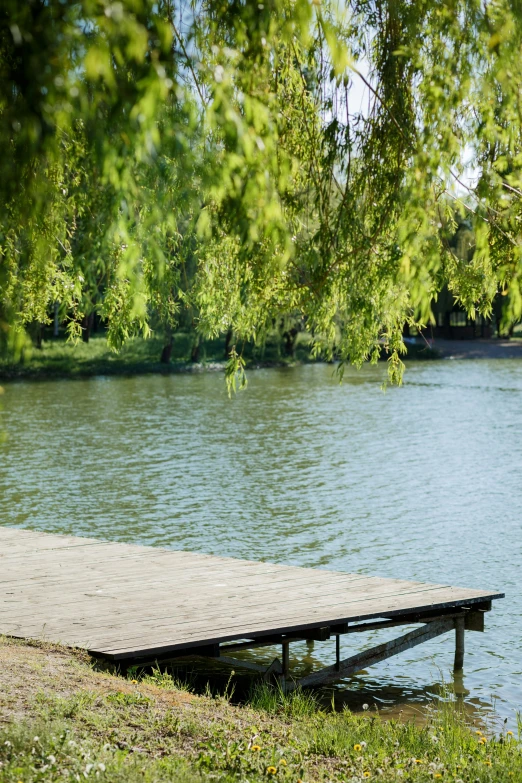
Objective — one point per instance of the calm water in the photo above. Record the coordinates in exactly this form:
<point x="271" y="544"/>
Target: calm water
<point x="422" y="482"/>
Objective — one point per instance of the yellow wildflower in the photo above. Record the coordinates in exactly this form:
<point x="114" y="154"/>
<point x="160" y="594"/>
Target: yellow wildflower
<point x="271" y="770"/>
<point x="283" y="762"/>
<point x="255" y="748"/>
<point x="437" y="775"/>
<point x="510" y="733"/>
<point x="357" y="746"/>
<point x="418" y="761"/>
<point x="482" y="741"/>
<point x="366" y="774"/>
<point x="478" y="731"/>
<point x="488" y="763"/>
<point x="134" y="682"/>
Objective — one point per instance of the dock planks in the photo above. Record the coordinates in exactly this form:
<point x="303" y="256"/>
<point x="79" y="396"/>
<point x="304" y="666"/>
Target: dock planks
<point x="123" y="601"/>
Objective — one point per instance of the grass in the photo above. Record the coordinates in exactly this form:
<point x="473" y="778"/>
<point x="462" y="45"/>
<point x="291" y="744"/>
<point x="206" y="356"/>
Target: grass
<point x="63" y="720"/>
<point x="59" y="358"/>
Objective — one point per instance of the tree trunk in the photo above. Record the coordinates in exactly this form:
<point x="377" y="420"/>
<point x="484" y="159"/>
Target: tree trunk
<point x="86" y="327"/>
<point x="56" y="329"/>
<point x="167" y="350"/>
<point x="290" y="338"/>
<point x="228" y="343"/>
<point x="39" y="336"/>
<point x="194" y="356"/>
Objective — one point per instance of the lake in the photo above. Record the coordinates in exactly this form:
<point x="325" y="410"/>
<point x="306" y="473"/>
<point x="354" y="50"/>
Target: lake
<point x="421" y="482"/>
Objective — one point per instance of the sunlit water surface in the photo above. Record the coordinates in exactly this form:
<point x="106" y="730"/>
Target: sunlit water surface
<point x="422" y="482"/>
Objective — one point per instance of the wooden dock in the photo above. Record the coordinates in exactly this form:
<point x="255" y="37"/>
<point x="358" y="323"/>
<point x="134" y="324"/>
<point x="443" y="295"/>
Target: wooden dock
<point x="132" y="603"/>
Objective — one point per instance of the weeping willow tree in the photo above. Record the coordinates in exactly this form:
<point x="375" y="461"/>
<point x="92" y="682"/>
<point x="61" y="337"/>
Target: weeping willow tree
<point x="258" y="160"/>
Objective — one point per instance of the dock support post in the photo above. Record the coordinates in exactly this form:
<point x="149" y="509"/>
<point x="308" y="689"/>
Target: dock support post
<point x="338" y="651"/>
<point x="286" y="659"/>
<point x="459" y="645"/>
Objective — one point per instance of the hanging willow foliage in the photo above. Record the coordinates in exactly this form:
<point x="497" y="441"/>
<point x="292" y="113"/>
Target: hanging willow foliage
<point x="259" y="160"/>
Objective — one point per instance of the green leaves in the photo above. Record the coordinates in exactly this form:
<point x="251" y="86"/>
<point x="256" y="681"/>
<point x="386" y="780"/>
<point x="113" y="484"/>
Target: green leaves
<point x="233" y="164"/>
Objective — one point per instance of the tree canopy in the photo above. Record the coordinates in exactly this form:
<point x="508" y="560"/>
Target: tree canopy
<point x="252" y="160"/>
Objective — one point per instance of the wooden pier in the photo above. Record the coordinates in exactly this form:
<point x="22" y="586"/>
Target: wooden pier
<point x="133" y="604"/>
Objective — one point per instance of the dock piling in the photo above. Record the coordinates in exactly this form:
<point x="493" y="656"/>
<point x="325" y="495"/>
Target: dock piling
<point x="459" y="645"/>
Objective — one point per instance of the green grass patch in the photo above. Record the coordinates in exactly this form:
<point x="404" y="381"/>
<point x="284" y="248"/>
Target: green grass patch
<point x="141" y="735"/>
<point x="60" y="358"/>
<point x="273" y="699"/>
<point x="52" y="752"/>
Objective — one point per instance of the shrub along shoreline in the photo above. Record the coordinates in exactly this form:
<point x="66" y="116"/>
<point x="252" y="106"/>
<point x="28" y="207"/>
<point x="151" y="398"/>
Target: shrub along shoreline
<point x="61" y="719"/>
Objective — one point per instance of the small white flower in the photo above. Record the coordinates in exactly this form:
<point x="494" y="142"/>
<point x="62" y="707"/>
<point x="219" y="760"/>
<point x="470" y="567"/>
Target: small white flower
<point x="434" y="739"/>
<point x="107" y="747"/>
<point x="36" y="739"/>
<point x="7" y="743"/>
<point x="51" y="759"/>
<point x="101" y="767"/>
<point x="72" y="744"/>
<point x="363" y="744"/>
<point x="88" y="768"/>
<point x="366" y="706"/>
<point x="219" y="72"/>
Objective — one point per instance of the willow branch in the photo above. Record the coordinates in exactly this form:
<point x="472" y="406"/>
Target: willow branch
<point x="189" y="63"/>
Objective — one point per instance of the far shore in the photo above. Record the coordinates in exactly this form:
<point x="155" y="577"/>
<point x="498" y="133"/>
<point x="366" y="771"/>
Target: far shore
<point x="477" y="349"/>
<point x="62" y="360"/>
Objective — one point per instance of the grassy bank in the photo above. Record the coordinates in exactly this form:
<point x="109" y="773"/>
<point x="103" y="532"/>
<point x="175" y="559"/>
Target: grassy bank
<point x="63" y="720"/>
<point x="58" y="358"/>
